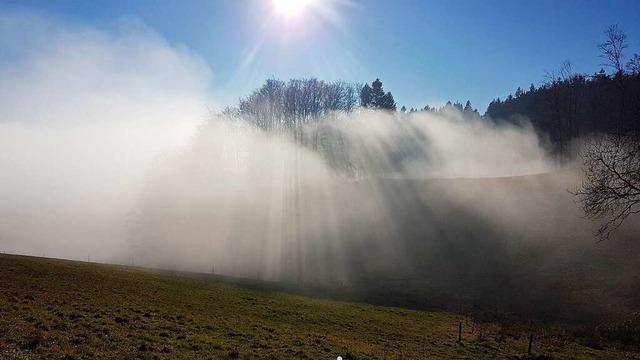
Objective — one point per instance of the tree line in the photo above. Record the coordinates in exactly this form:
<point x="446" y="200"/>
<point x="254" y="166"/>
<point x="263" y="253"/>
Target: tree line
<point x="278" y="104"/>
<point x="569" y="105"/>
<point x="603" y="107"/>
<point x="603" y="110"/>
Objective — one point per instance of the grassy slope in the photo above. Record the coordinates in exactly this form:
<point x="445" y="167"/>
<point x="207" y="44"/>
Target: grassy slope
<point x="60" y="308"/>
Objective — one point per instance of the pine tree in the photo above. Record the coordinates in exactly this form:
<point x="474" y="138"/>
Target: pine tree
<point x="377" y="93"/>
<point x="374" y="97"/>
<point x="519" y="92"/>
<point x="468" y="107"/>
<point x="387" y="102"/>
<point x="366" y="96"/>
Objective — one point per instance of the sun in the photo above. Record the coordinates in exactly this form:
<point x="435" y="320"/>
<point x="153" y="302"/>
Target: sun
<point x="290" y="8"/>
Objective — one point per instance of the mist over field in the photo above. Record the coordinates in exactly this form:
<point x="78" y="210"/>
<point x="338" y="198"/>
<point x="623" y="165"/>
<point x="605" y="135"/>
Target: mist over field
<point x="389" y="206"/>
<point x="82" y="115"/>
<point x="107" y="150"/>
<point x="274" y="205"/>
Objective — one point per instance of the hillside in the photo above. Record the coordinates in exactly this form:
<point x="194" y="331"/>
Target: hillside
<point x="64" y="309"/>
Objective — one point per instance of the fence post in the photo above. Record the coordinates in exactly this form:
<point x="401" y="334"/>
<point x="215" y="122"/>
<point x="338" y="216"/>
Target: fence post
<point x="530" y="342"/>
<point x="460" y="331"/>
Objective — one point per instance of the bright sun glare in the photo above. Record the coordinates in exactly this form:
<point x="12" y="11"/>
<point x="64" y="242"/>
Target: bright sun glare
<point x="291" y="8"/>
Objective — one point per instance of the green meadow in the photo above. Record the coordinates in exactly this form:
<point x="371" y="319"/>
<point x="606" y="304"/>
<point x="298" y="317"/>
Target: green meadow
<point x="62" y="309"/>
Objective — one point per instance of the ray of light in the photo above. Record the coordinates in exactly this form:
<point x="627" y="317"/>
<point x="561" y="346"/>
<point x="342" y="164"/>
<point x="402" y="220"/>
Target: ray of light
<point x="288" y="28"/>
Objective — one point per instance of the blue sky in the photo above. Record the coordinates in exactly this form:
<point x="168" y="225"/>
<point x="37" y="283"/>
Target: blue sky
<point x="425" y="52"/>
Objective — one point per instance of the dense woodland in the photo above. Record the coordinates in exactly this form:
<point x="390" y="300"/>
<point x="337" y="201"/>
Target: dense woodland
<point x="602" y="111"/>
<point x="566" y="106"/>
<point x="281" y="105"/>
<point x="569" y="105"/>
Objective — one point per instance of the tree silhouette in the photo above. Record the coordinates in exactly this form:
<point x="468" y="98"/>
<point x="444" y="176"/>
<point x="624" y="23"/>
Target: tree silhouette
<point x="280" y="105"/>
<point x="377" y="92"/>
<point x="374" y="97"/>
<point x="468" y="109"/>
<point x="611" y="189"/>
<point x="366" y="96"/>
<point x="613" y="48"/>
<point x="387" y="102"/>
<point x="519" y="92"/>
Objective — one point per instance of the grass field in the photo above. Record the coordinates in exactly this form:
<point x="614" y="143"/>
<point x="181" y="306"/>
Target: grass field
<point x="62" y="309"/>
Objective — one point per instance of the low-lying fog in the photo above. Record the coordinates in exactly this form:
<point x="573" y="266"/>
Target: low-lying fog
<point x="107" y="151"/>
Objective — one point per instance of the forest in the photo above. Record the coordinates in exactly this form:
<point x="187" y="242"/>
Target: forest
<point x="592" y="117"/>
<point x="566" y="106"/>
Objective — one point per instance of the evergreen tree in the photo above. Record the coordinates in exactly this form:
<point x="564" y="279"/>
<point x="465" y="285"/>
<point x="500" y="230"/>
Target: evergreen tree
<point x="519" y="92"/>
<point x="374" y="97"/>
<point x="467" y="107"/>
<point x="366" y="96"/>
<point x="387" y="102"/>
<point x="377" y="93"/>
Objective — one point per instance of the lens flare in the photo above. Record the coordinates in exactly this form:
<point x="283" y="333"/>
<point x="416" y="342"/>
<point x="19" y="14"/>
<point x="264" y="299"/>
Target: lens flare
<point x="290" y="8"/>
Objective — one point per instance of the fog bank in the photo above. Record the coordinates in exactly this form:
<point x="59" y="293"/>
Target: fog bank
<point x="106" y="152"/>
<point x="83" y="113"/>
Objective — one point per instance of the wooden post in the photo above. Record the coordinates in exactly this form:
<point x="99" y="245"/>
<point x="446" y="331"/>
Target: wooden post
<point x="460" y="331"/>
<point x="530" y="342"/>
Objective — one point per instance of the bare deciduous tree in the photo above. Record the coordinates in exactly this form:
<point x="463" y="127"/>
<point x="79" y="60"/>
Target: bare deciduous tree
<point x="613" y="48"/>
<point x="278" y="105"/>
<point x="611" y="188"/>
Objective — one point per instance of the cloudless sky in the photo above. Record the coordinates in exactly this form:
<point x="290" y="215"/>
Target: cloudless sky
<point x="425" y="52"/>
